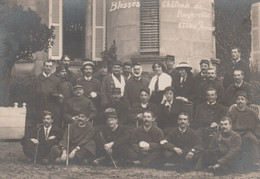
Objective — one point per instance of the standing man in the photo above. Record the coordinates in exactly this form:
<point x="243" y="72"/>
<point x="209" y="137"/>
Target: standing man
<point x="238" y="85"/>
<point x="114" y="80"/>
<point x="91" y="85"/>
<point x="65" y="60"/>
<point x="102" y="71"/>
<point x="127" y="70"/>
<point x="169" y="62"/>
<point x="224" y="149"/>
<point x="135" y="84"/>
<point x="45" y="90"/>
<point x="145" y="145"/>
<point x="245" y="122"/>
<point x="236" y="63"/>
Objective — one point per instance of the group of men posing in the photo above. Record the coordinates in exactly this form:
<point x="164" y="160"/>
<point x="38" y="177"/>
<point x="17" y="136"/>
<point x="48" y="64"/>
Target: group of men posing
<point x="125" y="117"/>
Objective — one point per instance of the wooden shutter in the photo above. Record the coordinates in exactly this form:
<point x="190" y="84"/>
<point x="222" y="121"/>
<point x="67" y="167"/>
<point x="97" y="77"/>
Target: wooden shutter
<point x="255" y="33"/>
<point x="55" y="19"/>
<point x="99" y="28"/>
<point x="149" y="27"/>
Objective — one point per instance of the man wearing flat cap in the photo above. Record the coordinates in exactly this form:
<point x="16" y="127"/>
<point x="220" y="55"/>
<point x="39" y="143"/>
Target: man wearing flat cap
<point x="91" y="85"/>
<point x="135" y="84"/>
<point x="114" y="80"/>
<point x="78" y="102"/>
<point x="102" y="71"/>
<point x="112" y="138"/>
<point x="169" y="62"/>
<point x="245" y="122"/>
<point x="127" y="70"/>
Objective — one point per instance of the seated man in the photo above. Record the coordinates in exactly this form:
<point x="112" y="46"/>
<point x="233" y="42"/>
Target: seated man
<point x="111" y="139"/>
<point x="223" y="150"/>
<point x="145" y="142"/>
<point x="82" y="149"/>
<point x="78" y="103"/>
<point x="245" y="122"/>
<point x="136" y="111"/>
<point x="48" y="136"/>
<point x="207" y="115"/>
<point x="182" y="145"/>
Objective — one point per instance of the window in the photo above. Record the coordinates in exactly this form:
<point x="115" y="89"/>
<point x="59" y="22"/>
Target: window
<point x="149" y="27"/>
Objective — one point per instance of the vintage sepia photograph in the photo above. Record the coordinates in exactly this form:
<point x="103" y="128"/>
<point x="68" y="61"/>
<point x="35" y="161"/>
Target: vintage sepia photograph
<point x="129" y="89"/>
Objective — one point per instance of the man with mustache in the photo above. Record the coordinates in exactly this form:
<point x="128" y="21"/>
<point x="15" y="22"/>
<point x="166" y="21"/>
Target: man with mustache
<point x="245" y="122"/>
<point x="145" y="146"/>
<point x="169" y="62"/>
<point x="49" y="135"/>
<point x="135" y="84"/>
<point x="238" y="85"/>
<point x="127" y="70"/>
<point x="71" y="76"/>
<point x="182" y="144"/>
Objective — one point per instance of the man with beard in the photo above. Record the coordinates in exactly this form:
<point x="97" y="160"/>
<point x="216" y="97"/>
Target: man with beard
<point x="91" y="85"/>
<point x="102" y="71"/>
<point x="45" y="90"/>
<point x="238" y="85"/>
<point x="135" y="84"/>
<point x="78" y="102"/>
<point x="112" y="138"/>
<point x="114" y="80"/>
<point x="169" y="62"/>
<point x="144" y="104"/>
<point x="212" y="82"/>
<point x="82" y="148"/>
<point x="65" y="61"/>
<point x="224" y="149"/>
<point x="182" y="144"/>
<point x="145" y="146"/>
<point x="207" y="115"/>
<point x="127" y="69"/>
<point x="49" y="135"/>
<point x="245" y="122"/>
<point x="236" y="63"/>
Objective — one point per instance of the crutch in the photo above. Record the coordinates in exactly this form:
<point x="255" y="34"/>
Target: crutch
<point x="68" y="146"/>
<point x="113" y="161"/>
<point x="37" y="145"/>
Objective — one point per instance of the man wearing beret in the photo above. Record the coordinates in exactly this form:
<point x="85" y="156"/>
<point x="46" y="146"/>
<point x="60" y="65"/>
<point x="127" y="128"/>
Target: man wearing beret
<point x="112" y="138"/>
<point x="114" y="80"/>
<point x="135" y="84"/>
<point x="127" y="70"/>
<point x="245" y="122"/>
<point x="238" y="85"/>
<point x="78" y="102"/>
<point x="182" y="144"/>
<point x="169" y="62"/>
<point x="91" y="85"/>
<point x="145" y="146"/>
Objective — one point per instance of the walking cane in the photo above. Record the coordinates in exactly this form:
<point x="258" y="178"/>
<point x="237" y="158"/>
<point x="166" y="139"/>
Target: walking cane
<point x="68" y="146"/>
<point x="37" y="145"/>
<point x="113" y="161"/>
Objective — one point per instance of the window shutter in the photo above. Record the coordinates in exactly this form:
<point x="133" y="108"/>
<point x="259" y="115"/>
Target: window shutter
<point x="149" y="27"/>
<point x="99" y="29"/>
<point x="55" y="20"/>
<point x="255" y="33"/>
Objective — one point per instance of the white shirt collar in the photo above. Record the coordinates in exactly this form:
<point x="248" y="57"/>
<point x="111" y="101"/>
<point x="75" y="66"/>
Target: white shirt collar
<point x="182" y="131"/>
<point x="238" y="84"/>
<point x="49" y="128"/>
<point x="144" y="105"/>
<point x="167" y="103"/>
<point x="45" y="75"/>
<point x="88" y="78"/>
<point x="211" y="103"/>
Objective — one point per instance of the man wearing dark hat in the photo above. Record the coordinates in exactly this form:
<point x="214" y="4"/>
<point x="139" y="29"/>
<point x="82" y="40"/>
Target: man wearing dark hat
<point x="49" y="135"/>
<point x="238" y="85"/>
<point x="114" y="80"/>
<point x="71" y="76"/>
<point x="112" y="138"/>
<point x="135" y="84"/>
<point x="127" y="70"/>
<point x="102" y="71"/>
<point x="182" y="144"/>
<point x="207" y="115"/>
<point x="78" y="102"/>
<point x="145" y="146"/>
<point x="119" y="105"/>
<point x="236" y="63"/>
<point x="245" y="122"/>
<point x="212" y="82"/>
<point x="82" y="148"/>
<point x="91" y="85"/>
<point x="169" y="62"/>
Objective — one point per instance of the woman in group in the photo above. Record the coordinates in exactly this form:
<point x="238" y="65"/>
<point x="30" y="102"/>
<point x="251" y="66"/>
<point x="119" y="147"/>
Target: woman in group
<point x="159" y="82"/>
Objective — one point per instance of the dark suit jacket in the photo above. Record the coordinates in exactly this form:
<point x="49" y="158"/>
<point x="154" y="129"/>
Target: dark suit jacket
<point x="185" y="89"/>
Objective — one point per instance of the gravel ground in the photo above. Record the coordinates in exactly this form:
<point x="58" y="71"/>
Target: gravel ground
<point x="12" y="166"/>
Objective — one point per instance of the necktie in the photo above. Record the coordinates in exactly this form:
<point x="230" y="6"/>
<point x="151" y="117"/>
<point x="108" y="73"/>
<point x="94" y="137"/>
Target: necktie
<point x="156" y="86"/>
<point x="46" y="134"/>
